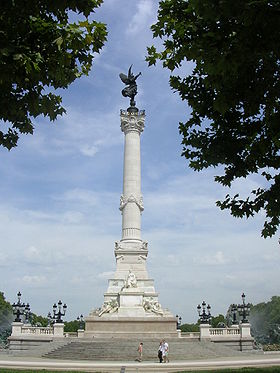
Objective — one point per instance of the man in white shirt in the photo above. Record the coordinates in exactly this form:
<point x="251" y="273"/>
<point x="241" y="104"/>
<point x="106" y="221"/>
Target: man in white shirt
<point x="165" y="351"/>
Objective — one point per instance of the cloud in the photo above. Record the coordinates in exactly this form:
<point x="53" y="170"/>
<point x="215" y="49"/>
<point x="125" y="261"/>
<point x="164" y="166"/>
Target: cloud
<point x="216" y="259"/>
<point x="89" y="150"/>
<point x="34" y="280"/>
<point x="106" y="275"/>
<point x="78" y="195"/>
<point x="142" y="17"/>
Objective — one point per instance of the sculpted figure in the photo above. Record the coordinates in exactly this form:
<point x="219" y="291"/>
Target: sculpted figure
<point x="131" y="281"/>
<point x="131" y="87"/>
<point x="109" y="306"/>
<point x="151" y="305"/>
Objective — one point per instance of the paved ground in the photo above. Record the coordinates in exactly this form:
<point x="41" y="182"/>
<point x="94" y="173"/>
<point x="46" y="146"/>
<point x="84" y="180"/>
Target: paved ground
<point x="9" y="361"/>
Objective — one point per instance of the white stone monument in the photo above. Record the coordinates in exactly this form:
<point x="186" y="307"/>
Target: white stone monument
<point x="131" y="306"/>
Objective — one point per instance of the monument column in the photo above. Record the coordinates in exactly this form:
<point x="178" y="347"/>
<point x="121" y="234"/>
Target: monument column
<point x="131" y="203"/>
<point x="131" y="306"/>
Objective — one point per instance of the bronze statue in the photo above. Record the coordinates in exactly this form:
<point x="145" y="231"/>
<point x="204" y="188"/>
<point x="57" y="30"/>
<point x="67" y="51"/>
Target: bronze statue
<point x="131" y="89"/>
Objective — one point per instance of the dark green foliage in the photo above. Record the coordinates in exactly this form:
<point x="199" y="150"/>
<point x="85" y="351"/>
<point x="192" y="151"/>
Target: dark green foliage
<point x="6" y="318"/>
<point x="41" y="50"/>
<point x="39" y="320"/>
<point x="71" y="326"/>
<point x="265" y="320"/>
<point x="217" y="321"/>
<point x="189" y="328"/>
<point x="233" y="91"/>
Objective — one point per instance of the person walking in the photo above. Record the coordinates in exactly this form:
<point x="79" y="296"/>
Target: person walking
<point x="165" y="352"/>
<point x="160" y="347"/>
<point x="140" y="352"/>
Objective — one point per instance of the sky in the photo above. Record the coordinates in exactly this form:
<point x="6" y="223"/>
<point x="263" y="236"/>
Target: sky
<point x="60" y="191"/>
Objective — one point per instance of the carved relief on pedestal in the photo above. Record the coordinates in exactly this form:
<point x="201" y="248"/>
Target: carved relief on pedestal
<point x="152" y="305"/>
<point x="109" y="306"/>
<point x="131" y="199"/>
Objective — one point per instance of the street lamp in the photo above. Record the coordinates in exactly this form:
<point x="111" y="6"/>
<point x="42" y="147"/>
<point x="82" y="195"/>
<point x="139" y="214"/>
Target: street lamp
<point x="27" y="313"/>
<point x="57" y="315"/>
<point x="234" y="314"/>
<point x="50" y="319"/>
<point x="81" y="321"/>
<point x="204" y="316"/>
<point x="18" y="308"/>
<point x="179" y="321"/>
<point x="243" y="309"/>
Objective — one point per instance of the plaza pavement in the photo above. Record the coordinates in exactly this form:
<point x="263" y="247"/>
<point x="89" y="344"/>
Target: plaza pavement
<point x="36" y="364"/>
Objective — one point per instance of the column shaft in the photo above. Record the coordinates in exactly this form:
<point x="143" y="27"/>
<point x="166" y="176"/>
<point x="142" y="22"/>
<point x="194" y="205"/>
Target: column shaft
<point x="131" y="200"/>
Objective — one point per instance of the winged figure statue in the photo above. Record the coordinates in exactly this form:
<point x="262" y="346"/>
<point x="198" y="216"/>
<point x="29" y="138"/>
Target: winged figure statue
<point x="131" y="87"/>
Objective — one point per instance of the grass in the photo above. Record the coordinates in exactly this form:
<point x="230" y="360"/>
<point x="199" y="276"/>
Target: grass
<point x="240" y="370"/>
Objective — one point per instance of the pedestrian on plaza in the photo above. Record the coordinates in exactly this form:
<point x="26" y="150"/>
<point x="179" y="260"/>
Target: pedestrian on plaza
<point x="160" y="348"/>
<point x="165" y="351"/>
<point x="140" y="352"/>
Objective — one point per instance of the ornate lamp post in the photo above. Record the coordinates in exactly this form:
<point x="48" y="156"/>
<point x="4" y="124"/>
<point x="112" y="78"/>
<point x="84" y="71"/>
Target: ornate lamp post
<point x="179" y="321"/>
<point x="57" y="315"/>
<point x="204" y="316"/>
<point x="50" y="319"/>
<point x="18" y="308"/>
<point x="243" y="309"/>
<point x="234" y="314"/>
<point x="81" y="321"/>
<point x="27" y="313"/>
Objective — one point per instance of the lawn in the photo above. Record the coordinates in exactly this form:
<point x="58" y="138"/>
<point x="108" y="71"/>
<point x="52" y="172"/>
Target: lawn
<point x="241" y="370"/>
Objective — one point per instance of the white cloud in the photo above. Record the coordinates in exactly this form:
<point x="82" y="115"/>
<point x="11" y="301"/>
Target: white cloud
<point x="89" y="150"/>
<point x="77" y="195"/>
<point x="216" y="259"/>
<point x="106" y="275"/>
<point x="34" y="280"/>
<point x="142" y="17"/>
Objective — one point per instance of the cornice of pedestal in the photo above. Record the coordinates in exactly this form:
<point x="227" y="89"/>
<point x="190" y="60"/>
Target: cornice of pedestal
<point x="132" y="121"/>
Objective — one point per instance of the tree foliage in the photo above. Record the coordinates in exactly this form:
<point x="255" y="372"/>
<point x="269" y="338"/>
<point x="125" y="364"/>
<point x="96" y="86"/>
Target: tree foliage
<point x="233" y="91"/>
<point x="71" y="326"/>
<point x="42" y="50"/>
<point x="265" y="320"/>
<point x="189" y="328"/>
<point x="6" y="318"/>
<point x="218" y="321"/>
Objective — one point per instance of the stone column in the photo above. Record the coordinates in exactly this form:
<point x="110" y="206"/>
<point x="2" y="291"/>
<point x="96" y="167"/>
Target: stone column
<point x="131" y="203"/>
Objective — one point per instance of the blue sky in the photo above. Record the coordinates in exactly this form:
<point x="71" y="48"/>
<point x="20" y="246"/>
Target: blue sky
<point x="60" y="190"/>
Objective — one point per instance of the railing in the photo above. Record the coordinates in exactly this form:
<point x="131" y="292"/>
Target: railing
<point x="224" y="332"/>
<point x="35" y="330"/>
<point x="190" y="335"/>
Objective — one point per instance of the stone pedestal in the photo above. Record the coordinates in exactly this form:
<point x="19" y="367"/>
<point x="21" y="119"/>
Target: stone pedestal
<point x="58" y="330"/>
<point x="245" y="330"/>
<point x="131" y="305"/>
<point x="204" y="332"/>
<point x="16" y="328"/>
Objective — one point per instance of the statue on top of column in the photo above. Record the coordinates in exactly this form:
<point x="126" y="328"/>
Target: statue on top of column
<point x="131" y="88"/>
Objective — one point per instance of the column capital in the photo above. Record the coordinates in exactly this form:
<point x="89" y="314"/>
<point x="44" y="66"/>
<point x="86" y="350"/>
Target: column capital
<point x="132" y="121"/>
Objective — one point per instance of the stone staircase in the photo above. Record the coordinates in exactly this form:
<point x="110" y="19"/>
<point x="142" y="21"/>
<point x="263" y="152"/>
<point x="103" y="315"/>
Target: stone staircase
<point x="126" y="350"/>
<point x="35" y="348"/>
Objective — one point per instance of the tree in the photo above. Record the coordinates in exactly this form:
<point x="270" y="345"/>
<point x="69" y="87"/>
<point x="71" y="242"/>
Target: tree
<point x="42" y="50"/>
<point x="6" y="318"/>
<point x="265" y="320"/>
<point x="71" y="326"/>
<point x="218" y="321"/>
<point x="233" y="91"/>
<point x="189" y="328"/>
